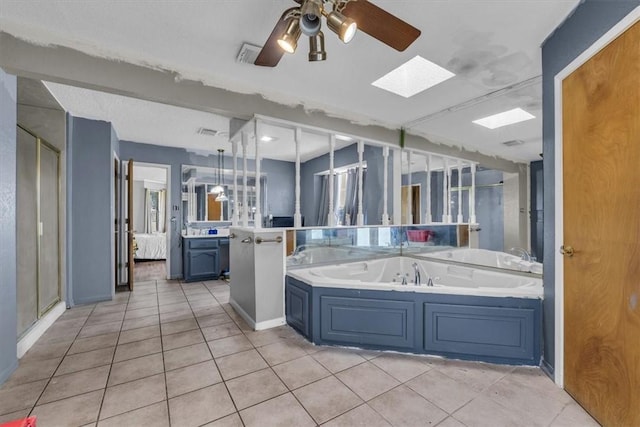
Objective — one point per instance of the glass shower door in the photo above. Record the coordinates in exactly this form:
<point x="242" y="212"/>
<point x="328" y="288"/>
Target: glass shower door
<point x="49" y="256"/>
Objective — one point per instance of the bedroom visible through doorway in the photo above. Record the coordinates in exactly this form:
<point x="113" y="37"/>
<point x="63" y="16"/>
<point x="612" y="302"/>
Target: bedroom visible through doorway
<point x="150" y="223"/>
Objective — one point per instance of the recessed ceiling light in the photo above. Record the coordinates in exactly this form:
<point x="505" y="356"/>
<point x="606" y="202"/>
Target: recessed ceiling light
<point x="343" y="137"/>
<point x="413" y="77"/>
<point x="267" y="138"/>
<point x="510" y="117"/>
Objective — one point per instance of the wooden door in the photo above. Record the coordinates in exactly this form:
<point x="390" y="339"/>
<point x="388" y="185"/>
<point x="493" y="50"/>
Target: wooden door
<point x="410" y="195"/>
<point x="116" y="226"/>
<point x="601" y="144"/>
<point x="214" y="209"/>
<point x="130" y="241"/>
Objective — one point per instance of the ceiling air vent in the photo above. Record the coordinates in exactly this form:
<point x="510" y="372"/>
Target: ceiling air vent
<point x="207" y="132"/>
<point x="248" y="53"/>
<point x="513" y="142"/>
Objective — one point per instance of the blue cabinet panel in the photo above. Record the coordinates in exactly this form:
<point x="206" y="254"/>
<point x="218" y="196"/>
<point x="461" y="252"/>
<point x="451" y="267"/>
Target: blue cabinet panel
<point x="297" y="309"/>
<point x="203" y="263"/>
<point x="482" y="331"/>
<point x="367" y="321"/>
<point x="201" y="257"/>
<point x="203" y="243"/>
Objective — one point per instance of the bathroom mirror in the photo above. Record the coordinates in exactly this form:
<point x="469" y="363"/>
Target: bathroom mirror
<point x="201" y="203"/>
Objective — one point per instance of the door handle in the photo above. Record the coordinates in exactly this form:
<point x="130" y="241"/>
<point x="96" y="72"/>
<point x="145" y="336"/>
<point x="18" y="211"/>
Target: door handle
<point x="567" y="250"/>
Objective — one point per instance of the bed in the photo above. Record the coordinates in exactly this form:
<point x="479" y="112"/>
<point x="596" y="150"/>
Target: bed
<point x="150" y="246"/>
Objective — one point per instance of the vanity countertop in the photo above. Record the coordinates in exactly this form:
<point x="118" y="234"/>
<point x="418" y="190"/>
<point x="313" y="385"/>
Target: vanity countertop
<point x="221" y="233"/>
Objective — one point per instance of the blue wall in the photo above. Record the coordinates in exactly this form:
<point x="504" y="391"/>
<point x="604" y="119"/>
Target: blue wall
<point x="589" y="22"/>
<point x="310" y="184"/>
<point x="280" y="183"/>
<point x="8" y="317"/>
<point x="89" y="196"/>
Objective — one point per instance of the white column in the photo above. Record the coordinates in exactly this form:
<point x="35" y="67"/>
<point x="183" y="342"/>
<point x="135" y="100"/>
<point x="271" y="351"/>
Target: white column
<point x="297" y="216"/>
<point x="257" y="217"/>
<point x="245" y="211"/>
<point x="385" y="185"/>
<point x="236" y="201"/>
<point x="191" y="200"/>
<point x="459" y="192"/>
<point x="331" y="218"/>
<point x="360" y="217"/>
<point x="449" y="215"/>
<point x="472" y="196"/>
<point x="427" y="211"/>
<point x="397" y="187"/>
<point x="445" y="166"/>
<point x="410" y="197"/>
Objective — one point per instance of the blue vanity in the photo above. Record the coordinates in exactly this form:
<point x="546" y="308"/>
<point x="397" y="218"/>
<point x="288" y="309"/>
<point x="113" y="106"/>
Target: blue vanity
<point x="204" y="257"/>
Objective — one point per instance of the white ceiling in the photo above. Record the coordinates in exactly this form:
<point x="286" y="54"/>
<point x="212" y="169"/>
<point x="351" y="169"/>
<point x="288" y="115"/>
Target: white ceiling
<point x="489" y="45"/>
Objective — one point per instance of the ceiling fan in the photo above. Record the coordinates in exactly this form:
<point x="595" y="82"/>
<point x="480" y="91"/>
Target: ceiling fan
<point x="343" y="17"/>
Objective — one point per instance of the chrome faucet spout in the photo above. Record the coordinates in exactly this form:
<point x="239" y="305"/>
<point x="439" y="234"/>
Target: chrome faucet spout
<point x="416" y="272"/>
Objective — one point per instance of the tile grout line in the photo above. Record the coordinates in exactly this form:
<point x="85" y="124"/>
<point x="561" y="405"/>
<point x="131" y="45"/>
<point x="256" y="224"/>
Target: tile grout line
<point x="235" y="406"/>
<point x="272" y="370"/>
<point x="164" y="367"/>
<point x="106" y="384"/>
<point x="58" y="367"/>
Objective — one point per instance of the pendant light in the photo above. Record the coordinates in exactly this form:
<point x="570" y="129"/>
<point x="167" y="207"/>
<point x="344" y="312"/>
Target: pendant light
<point x="221" y="196"/>
<point x="217" y="189"/>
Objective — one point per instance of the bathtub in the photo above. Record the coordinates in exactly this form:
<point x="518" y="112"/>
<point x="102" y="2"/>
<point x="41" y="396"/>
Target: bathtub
<point x="468" y="313"/>
<point x="387" y="274"/>
<point x="487" y="258"/>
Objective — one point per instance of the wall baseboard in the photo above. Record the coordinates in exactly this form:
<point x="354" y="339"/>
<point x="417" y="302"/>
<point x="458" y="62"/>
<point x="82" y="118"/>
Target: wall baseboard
<point x="92" y="300"/>
<point x="547" y="369"/>
<point x="256" y="326"/>
<point x="6" y="373"/>
<point x="268" y="324"/>
<point x="39" y="328"/>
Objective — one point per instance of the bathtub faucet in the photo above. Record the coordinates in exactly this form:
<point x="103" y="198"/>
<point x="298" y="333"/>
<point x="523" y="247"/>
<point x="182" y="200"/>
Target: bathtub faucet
<point x="522" y="253"/>
<point x="416" y="277"/>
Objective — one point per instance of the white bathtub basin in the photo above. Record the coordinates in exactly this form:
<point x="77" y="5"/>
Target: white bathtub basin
<point x="387" y="273"/>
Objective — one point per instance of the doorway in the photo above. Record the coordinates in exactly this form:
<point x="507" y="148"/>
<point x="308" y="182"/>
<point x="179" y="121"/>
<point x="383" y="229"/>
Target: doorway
<point x="598" y="222"/>
<point x="411" y="195"/>
<point x="147" y="209"/>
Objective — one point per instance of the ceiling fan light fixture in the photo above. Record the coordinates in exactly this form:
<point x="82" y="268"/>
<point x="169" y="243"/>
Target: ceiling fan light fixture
<point x="344" y="27"/>
<point x="310" y="14"/>
<point x="289" y="39"/>
<point x="316" y="48"/>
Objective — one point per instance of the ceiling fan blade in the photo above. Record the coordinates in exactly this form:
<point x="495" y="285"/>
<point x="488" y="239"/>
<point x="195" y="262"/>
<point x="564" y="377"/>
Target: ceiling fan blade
<point x="271" y="52"/>
<point x="381" y="25"/>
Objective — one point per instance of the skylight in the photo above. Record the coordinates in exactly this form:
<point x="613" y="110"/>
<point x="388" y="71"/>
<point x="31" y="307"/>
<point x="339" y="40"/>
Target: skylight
<point x="510" y="117"/>
<point x="413" y="77"/>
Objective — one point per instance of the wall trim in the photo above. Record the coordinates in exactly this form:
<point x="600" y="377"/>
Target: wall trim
<point x="93" y="299"/>
<point x="39" y="328"/>
<point x="256" y="326"/>
<point x="6" y="373"/>
<point x="596" y="47"/>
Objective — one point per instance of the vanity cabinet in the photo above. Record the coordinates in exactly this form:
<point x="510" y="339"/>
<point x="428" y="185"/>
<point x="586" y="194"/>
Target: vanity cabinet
<point x="201" y="257"/>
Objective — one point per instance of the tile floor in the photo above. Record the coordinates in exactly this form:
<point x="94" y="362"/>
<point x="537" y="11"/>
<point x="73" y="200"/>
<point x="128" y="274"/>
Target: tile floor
<point x="173" y="354"/>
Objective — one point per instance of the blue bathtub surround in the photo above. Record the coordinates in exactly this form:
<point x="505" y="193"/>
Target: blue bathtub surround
<point x="491" y="329"/>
